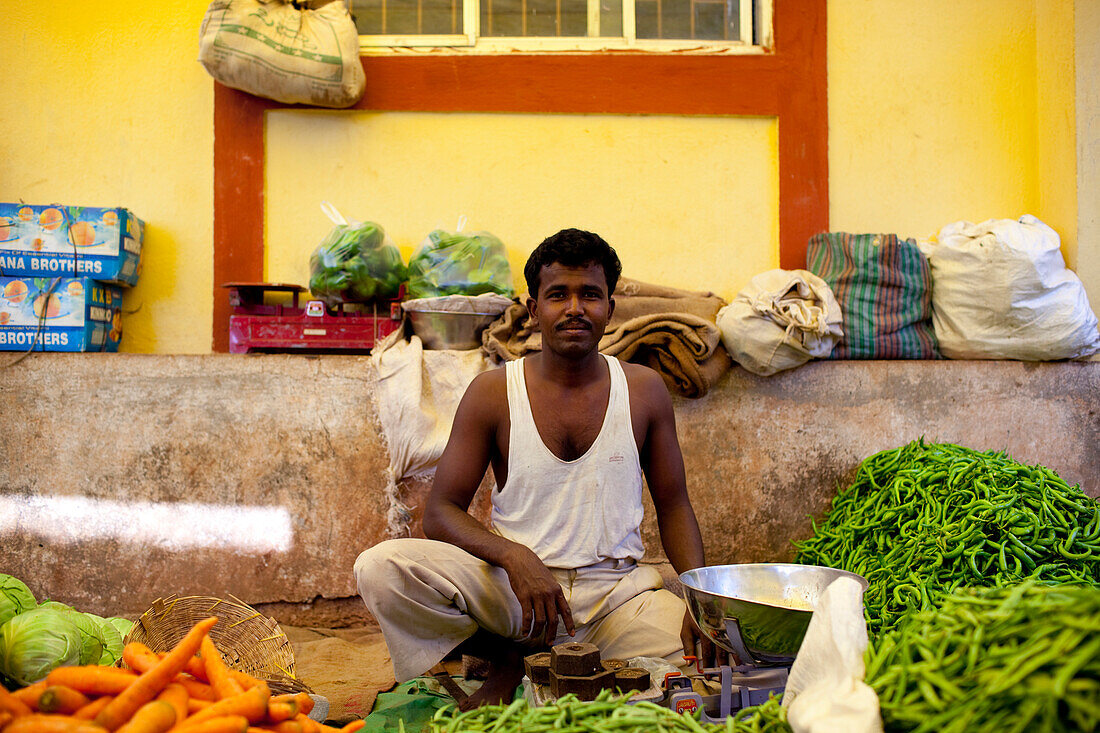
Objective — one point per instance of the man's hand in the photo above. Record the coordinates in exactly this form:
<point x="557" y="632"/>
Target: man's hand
<point x="709" y="655"/>
<point x="539" y="595"/>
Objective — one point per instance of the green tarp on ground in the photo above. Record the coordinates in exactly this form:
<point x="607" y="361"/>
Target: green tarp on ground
<point x="410" y="706"/>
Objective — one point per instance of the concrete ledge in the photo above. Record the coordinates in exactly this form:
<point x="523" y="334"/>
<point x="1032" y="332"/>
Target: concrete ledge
<point x="127" y="477"/>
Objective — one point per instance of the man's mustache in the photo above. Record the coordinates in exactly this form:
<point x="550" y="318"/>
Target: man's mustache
<point x="574" y="323"/>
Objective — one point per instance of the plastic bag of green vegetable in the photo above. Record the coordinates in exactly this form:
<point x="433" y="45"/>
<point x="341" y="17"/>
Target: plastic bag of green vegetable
<point x="455" y="263"/>
<point x="355" y="263"/>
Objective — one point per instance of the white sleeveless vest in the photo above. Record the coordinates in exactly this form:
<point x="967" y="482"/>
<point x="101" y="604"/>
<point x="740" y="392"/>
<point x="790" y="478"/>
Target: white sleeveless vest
<point x="572" y="513"/>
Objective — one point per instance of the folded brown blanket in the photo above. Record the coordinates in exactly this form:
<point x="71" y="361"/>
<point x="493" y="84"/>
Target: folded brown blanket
<point x="669" y="330"/>
<point x="635" y="298"/>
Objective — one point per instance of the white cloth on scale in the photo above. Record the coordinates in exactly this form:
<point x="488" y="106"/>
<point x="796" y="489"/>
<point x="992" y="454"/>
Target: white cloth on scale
<point x="825" y="691"/>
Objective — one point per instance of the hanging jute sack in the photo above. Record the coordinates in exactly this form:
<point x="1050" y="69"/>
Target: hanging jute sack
<point x="273" y="49"/>
<point x="781" y="320"/>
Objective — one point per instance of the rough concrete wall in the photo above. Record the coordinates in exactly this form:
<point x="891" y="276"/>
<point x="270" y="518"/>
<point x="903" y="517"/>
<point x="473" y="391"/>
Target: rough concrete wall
<point x="764" y="453"/>
<point x="297" y="435"/>
<point x="278" y="432"/>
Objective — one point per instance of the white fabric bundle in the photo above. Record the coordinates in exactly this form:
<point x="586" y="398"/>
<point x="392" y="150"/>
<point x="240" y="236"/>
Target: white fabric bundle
<point x="1001" y="290"/>
<point x="781" y="320"/>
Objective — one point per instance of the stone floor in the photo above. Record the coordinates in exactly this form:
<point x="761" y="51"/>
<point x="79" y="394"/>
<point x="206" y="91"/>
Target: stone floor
<point x="347" y="666"/>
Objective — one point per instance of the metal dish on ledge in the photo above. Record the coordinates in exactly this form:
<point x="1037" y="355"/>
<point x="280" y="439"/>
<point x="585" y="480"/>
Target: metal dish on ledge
<point x="450" y="330"/>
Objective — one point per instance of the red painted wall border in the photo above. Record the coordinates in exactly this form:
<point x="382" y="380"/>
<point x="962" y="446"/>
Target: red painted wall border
<point x="789" y="84"/>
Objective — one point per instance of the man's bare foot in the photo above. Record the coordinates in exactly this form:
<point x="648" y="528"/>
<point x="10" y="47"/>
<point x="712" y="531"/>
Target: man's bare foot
<point x="499" y="687"/>
<point x="505" y="658"/>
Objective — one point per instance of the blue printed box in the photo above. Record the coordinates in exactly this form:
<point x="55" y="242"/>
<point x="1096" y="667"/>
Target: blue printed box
<point x="59" y="314"/>
<point x="71" y="241"/>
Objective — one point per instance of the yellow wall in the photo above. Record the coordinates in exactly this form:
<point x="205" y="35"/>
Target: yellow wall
<point x="939" y="111"/>
<point x="947" y="110"/>
<point x="106" y="105"/>
<point x="931" y="113"/>
<point x="1087" y="63"/>
<point x="687" y="202"/>
<point x="1055" y="121"/>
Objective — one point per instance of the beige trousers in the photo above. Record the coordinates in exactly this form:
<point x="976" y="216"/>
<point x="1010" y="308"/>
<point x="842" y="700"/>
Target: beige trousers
<point x="431" y="596"/>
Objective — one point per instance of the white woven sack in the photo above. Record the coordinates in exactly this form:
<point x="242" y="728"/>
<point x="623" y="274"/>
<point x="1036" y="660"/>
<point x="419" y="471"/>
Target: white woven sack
<point x="1001" y="290"/>
<point x="781" y="320"/>
<point x="272" y="49"/>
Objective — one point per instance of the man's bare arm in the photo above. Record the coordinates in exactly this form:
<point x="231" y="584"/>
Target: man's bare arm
<point x="446" y="516"/>
<point x="459" y="473"/>
<point x="663" y="464"/>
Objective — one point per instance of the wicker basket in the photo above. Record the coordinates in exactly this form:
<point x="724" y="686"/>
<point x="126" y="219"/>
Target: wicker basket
<point x="247" y="640"/>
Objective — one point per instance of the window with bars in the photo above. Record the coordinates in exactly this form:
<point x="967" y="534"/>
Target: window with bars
<point x="554" y="25"/>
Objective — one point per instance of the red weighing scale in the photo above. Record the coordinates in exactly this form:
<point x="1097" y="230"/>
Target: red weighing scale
<point x="258" y="326"/>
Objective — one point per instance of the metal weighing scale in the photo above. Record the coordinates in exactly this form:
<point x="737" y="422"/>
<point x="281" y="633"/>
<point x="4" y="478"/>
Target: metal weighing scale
<point x="256" y="325"/>
<point x="758" y="612"/>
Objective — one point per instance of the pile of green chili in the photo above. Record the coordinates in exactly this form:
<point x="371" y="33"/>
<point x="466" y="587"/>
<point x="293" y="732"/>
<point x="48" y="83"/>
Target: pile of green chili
<point x="921" y="520"/>
<point x="608" y="712"/>
<point x="993" y="659"/>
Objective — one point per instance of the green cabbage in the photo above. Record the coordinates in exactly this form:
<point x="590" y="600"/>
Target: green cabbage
<point x="57" y="605"/>
<point x="15" y="597"/>
<point x="36" y="642"/>
<point x="112" y="640"/>
<point x="459" y="264"/>
<point x="91" y="638"/>
<point x="123" y="625"/>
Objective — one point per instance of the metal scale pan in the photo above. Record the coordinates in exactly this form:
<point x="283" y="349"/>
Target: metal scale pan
<point x="760" y="613"/>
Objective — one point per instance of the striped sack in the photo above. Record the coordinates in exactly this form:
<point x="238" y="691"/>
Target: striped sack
<point x="884" y="287"/>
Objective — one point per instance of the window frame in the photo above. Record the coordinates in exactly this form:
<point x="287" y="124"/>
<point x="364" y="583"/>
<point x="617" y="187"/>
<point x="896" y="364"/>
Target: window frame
<point x="789" y="83"/>
<point x="470" y="39"/>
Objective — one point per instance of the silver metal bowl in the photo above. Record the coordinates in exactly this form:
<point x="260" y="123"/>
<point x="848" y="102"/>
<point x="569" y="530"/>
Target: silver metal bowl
<point x="758" y="611"/>
<point x="450" y="330"/>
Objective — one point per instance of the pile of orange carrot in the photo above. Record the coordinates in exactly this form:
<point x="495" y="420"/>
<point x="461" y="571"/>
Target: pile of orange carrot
<point x="189" y="689"/>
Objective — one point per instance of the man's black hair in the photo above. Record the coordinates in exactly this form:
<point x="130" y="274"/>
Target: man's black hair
<point x="573" y="248"/>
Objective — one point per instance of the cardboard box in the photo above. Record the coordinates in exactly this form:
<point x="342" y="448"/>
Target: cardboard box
<point x="75" y="314"/>
<point x="71" y="241"/>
